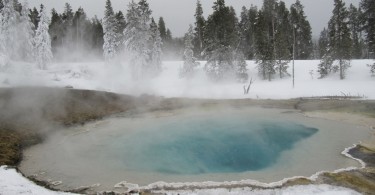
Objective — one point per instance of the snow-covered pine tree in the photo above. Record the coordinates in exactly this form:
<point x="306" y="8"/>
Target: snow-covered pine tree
<point x="9" y="28"/>
<point x="42" y="41"/>
<point x="137" y="36"/>
<point x="111" y="36"/>
<point x="340" y="42"/>
<point x="156" y="49"/>
<point x="25" y="34"/>
<point x="190" y="63"/>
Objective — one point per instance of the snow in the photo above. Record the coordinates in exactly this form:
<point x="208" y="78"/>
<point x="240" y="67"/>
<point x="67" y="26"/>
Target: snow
<point x="12" y="182"/>
<point x="306" y="190"/>
<point x="116" y="78"/>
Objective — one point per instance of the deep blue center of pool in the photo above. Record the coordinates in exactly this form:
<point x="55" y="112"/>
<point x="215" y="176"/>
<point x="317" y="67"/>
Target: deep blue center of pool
<point x="209" y="145"/>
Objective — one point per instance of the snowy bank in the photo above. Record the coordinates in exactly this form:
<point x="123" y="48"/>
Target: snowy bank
<point x="12" y="182"/>
<point x="116" y="78"/>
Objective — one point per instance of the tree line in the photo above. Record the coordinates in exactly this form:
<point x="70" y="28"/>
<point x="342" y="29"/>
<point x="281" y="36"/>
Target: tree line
<point x="272" y="35"/>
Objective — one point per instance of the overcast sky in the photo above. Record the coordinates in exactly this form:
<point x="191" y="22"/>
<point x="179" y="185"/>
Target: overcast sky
<point x="178" y="14"/>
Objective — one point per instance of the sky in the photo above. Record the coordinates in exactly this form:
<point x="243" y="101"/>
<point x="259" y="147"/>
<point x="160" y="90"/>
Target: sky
<point x="178" y="14"/>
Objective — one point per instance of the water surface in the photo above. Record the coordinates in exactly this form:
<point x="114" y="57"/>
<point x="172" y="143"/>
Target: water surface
<point x="221" y="144"/>
<point x="193" y="145"/>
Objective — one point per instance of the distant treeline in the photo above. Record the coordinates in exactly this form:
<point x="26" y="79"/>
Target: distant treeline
<point x="272" y="35"/>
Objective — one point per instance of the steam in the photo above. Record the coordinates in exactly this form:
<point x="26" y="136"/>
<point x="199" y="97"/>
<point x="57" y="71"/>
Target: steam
<point x="30" y="109"/>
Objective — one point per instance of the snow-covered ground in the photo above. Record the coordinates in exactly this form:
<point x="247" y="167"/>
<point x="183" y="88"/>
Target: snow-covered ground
<point x="12" y="183"/>
<point x="116" y="78"/>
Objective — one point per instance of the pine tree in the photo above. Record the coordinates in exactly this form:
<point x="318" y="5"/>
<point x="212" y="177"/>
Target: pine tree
<point x="111" y="37"/>
<point x="98" y="34"/>
<point x="247" y="31"/>
<point x="162" y="29"/>
<point x="244" y="27"/>
<point x="9" y="23"/>
<point x="67" y="18"/>
<point x="199" y="29"/>
<point x="355" y="30"/>
<point x="120" y="27"/>
<point x="368" y="8"/>
<point x="80" y="29"/>
<point x="323" y="43"/>
<point x="189" y="60"/>
<point x="137" y="38"/>
<point x="43" y="42"/>
<point x="340" y="41"/>
<point x="325" y="66"/>
<point x="253" y="12"/>
<point x="282" y="40"/>
<point x="265" y="37"/>
<point x="304" y="45"/>
<point x="156" y="49"/>
<point x="169" y="35"/>
<point x="25" y="34"/>
<point x="120" y="18"/>
<point x="34" y="17"/>
<point x="166" y="37"/>
<point x="222" y="40"/>
<point x="56" y="30"/>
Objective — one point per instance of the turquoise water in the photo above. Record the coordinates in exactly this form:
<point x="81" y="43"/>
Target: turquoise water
<point x="206" y="145"/>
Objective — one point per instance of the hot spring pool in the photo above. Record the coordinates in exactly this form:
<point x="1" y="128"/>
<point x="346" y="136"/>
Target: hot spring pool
<point x="193" y="145"/>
